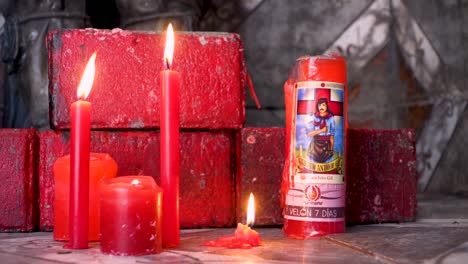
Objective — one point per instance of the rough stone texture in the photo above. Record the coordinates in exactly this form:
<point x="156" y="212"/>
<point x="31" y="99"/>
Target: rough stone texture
<point x="381" y="176"/>
<point x="389" y="92"/>
<point x="259" y="170"/>
<point x="126" y="92"/>
<point x="207" y="181"/>
<point x="444" y="23"/>
<point x="432" y="243"/>
<point x="18" y="181"/>
<point x="277" y="33"/>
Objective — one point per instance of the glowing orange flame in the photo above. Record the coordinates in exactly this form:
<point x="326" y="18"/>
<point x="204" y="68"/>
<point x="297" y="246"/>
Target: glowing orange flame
<point x="169" y="48"/>
<point x="251" y="210"/>
<point x="88" y="78"/>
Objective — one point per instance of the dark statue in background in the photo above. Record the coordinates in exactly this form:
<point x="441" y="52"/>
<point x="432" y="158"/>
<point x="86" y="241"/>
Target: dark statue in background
<point x="25" y="55"/>
<point x="24" y="82"/>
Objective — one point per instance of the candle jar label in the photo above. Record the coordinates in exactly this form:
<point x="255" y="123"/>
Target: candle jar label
<point x="317" y="191"/>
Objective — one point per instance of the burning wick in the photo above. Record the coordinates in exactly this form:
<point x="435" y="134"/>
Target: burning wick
<point x="169" y="50"/>
<point x="251" y="211"/>
<point x="135" y="182"/>
<point x="244" y="237"/>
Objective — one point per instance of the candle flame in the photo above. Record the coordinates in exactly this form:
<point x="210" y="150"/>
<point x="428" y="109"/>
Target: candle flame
<point x="135" y="181"/>
<point x="251" y="210"/>
<point x="169" y="48"/>
<point x="88" y="78"/>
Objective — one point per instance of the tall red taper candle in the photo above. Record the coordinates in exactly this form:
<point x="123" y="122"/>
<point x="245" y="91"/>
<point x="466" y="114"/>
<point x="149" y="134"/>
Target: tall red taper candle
<point x="170" y="155"/>
<point x="79" y="161"/>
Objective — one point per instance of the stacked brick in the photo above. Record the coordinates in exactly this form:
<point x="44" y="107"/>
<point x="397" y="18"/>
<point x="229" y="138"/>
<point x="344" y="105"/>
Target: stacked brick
<point x="126" y="109"/>
<point x="221" y="161"/>
<point x="18" y="184"/>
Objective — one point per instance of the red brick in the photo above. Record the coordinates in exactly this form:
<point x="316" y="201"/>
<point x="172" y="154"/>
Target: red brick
<point x="260" y="166"/>
<point x="18" y="185"/>
<point x="207" y="182"/>
<point x="381" y="176"/>
<point x="126" y="92"/>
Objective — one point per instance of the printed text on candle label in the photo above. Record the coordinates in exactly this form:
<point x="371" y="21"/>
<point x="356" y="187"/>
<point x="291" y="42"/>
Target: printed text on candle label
<point x="316" y="212"/>
<point x="316" y="191"/>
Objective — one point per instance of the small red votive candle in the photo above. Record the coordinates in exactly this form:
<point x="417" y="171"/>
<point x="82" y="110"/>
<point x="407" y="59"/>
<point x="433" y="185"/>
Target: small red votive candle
<point x="131" y="209"/>
<point x="101" y="166"/>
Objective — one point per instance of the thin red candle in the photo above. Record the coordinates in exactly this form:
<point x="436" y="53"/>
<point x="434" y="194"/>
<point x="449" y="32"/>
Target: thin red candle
<point x="79" y="161"/>
<point x="170" y="155"/>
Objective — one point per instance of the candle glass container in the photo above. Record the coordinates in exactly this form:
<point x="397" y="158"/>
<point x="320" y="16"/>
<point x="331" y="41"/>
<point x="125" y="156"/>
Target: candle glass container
<point x="102" y="166"/>
<point x="131" y="216"/>
<point x="313" y="184"/>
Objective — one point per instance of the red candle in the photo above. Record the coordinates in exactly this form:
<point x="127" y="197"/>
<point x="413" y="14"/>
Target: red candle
<point x="244" y="237"/>
<point x="102" y="166"/>
<point x="313" y="187"/>
<point x="130" y="216"/>
<point x="79" y="161"/>
<point x="170" y="156"/>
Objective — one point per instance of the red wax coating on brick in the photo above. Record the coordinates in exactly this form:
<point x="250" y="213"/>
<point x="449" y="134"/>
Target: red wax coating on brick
<point x="381" y="176"/>
<point x="207" y="170"/>
<point x="18" y="185"/>
<point x="260" y="164"/>
<point x="126" y="92"/>
<point x="244" y="238"/>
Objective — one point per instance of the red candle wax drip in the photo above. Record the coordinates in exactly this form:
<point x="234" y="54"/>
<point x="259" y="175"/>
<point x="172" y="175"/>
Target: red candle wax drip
<point x="244" y="237"/>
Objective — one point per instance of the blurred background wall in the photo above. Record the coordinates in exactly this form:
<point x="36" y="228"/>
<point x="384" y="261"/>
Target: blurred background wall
<point x="407" y="61"/>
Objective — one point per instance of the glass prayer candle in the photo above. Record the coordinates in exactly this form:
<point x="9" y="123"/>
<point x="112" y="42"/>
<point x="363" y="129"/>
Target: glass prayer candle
<point x="313" y="186"/>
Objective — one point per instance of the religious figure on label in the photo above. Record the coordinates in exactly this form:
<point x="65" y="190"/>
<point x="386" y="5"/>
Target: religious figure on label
<point x="321" y="131"/>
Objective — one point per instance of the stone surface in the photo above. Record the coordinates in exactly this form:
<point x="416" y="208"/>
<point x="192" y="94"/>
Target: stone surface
<point x="409" y="243"/>
<point x="420" y="242"/>
<point x="259" y="170"/>
<point x="126" y="92"/>
<point x="206" y="170"/>
<point x="275" y="248"/>
<point x="18" y="180"/>
<point x="381" y="176"/>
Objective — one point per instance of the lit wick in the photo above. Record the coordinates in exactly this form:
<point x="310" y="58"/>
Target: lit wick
<point x="169" y="49"/>
<point x="167" y="66"/>
<point x="88" y="78"/>
<point x="251" y="211"/>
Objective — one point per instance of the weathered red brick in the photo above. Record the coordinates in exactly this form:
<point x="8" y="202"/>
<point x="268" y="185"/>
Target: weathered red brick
<point x="126" y="92"/>
<point x="18" y="184"/>
<point x="207" y="180"/>
<point x="260" y="165"/>
<point x="381" y="176"/>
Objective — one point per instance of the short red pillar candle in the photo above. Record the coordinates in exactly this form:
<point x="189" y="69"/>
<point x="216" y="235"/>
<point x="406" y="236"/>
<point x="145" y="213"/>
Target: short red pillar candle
<point x="170" y="150"/>
<point x="130" y="216"/>
<point x="101" y="166"/>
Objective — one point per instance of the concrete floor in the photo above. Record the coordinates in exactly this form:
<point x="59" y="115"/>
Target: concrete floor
<point x="440" y="235"/>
